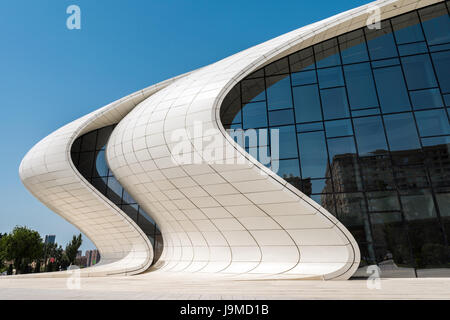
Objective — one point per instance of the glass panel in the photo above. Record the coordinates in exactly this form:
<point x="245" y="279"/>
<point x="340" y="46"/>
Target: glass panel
<point x="334" y="103"/>
<point x="278" y="67"/>
<point x="352" y="212"/>
<point x="407" y="28"/>
<point x="320" y="185"/>
<point x="85" y="164"/>
<point x="401" y="132"/>
<point x="447" y="100"/>
<point x="253" y="90"/>
<point x="254" y="115"/>
<point x="425" y="234"/>
<point x="103" y="136"/>
<point x="302" y="60"/>
<point x="147" y="225"/>
<point x="114" y="190"/>
<point x="426" y="99"/>
<point x="391" y="89"/>
<point x="360" y="86"/>
<point x="309" y="127"/>
<point x="256" y="74"/>
<point x="440" y="47"/>
<point x="418" y="206"/>
<point x="338" y="128"/>
<point x="432" y="122"/>
<point x="307" y="104"/>
<point x="365" y="112"/>
<point x="281" y="117"/>
<point x="382" y="201"/>
<point x="443" y="200"/>
<point x="305" y="77"/>
<point x="344" y="164"/>
<point x="127" y="198"/>
<point x="385" y="63"/>
<point x="131" y="211"/>
<point x="326" y="201"/>
<point x="377" y="172"/>
<point x="100" y="184"/>
<point x="370" y="135"/>
<point x="287" y="142"/>
<point x="436" y="24"/>
<point x="279" y="95"/>
<point x="419" y="72"/>
<point x="88" y="141"/>
<point x="441" y="62"/>
<point x="411" y="177"/>
<point x="353" y="47"/>
<point x="76" y="145"/>
<point x="330" y="77"/>
<point x="313" y="155"/>
<point x="327" y="53"/>
<point x="437" y="159"/>
<point x="381" y="42"/>
<point x="412" y="48"/>
<point x="230" y="111"/>
<point x="101" y="168"/>
<point x="391" y="238"/>
<point x="289" y="170"/>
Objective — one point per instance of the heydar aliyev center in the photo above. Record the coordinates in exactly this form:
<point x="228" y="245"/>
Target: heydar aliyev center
<point x="311" y="155"/>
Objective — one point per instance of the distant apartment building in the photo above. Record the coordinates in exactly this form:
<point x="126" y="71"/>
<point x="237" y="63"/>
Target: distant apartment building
<point x="50" y="239"/>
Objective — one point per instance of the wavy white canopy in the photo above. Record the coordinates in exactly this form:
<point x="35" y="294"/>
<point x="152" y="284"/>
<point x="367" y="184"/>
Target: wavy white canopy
<point x="222" y="213"/>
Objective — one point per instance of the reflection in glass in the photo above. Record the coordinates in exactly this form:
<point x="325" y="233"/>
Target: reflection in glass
<point x="334" y="103"/>
<point x="401" y="132"/>
<point x="93" y="167"/>
<point x="360" y="86"/>
<point x="313" y="154"/>
<point x="373" y="135"/>
<point x="391" y="89"/>
<point x="370" y="135"/>
<point x="279" y="95"/>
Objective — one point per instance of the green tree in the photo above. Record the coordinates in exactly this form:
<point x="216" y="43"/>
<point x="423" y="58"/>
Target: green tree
<point x="53" y="256"/>
<point x="2" y="252"/>
<point x="22" y="246"/>
<point x="72" y="248"/>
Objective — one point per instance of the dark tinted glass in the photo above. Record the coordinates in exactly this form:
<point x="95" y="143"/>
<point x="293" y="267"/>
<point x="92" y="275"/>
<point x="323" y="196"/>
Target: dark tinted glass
<point x="381" y="42"/>
<point x="279" y="95"/>
<point x="353" y="47"/>
<point x="307" y="103"/>
<point x="334" y="103"/>
<point x="327" y="54"/>
<point x="370" y="135"/>
<point x="391" y="89"/>
<point x="360" y="86"/>
<point x="92" y="164"/>
<point x="373" y="135"/>
<point x="313" y="154"/>
<point x="419" y="72"/>
<point x="401" y="132"/>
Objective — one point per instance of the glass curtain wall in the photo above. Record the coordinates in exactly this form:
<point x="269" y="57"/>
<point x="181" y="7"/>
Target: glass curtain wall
<point x="364" y="127"/>
<point x="88" y="155"/>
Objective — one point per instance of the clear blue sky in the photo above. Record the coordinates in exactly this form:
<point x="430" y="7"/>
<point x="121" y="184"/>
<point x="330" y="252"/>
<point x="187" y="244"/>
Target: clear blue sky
<point x="50" y="75"/>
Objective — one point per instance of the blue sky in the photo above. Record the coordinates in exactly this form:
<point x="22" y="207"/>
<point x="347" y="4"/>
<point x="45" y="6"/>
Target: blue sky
<point x="50" y="75"/>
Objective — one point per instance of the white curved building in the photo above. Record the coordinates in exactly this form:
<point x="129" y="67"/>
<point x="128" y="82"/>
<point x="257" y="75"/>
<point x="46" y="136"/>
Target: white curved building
<point x="170" y="162"/>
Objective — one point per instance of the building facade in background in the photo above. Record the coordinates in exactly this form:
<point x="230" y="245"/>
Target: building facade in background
<point x="50" y="239"/>
<point x="312" y="155"/>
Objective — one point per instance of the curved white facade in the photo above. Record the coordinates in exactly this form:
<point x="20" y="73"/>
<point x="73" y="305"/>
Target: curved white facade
<point x="219" y="212"/>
